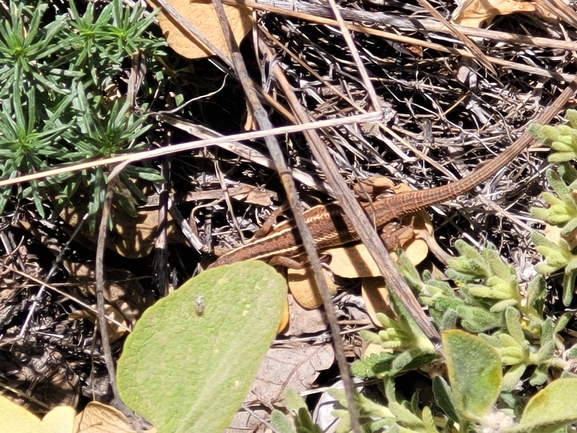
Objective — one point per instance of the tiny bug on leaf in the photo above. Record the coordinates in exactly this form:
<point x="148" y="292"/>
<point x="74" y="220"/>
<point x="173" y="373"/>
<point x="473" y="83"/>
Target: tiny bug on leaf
<point x="199" y="305"/>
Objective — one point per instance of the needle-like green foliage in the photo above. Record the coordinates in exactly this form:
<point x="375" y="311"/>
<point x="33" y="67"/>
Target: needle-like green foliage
<point x="54" y="75"/>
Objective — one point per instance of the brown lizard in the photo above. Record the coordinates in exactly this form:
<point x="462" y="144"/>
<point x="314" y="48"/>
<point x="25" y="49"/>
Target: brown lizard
<point x="331" y="227"/>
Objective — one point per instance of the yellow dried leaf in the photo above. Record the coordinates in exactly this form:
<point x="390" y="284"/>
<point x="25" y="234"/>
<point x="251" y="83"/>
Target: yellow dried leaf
<point x="352" y="262"/>
<point x="303" y="288"/>
<point x="356" y="262"/>
<point x="416" y="250"/>
<point x="14" y="418"/>
<point x="100" y="418"/>
<point x="376" y="297"/>
<point x="284" y="321"/>
<point x="58" y="420"/>
<point x="115" y="332"/>
<point x="474" y="13"/>
<point x="552" y="233"/>
<point x="203" y="18"/>
<point x="375" y="349"/>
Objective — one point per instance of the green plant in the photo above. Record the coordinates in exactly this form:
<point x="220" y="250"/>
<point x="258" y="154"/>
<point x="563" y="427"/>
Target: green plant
<point x="54" y="109"/>
<point x="188" y="369"/>
<point x="515" y="344"/>
<point x="562" y="209"/>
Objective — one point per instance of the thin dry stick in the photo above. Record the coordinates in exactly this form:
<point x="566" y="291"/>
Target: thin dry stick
<point x="99" y="271"/>
<point x="426" y="44"/>
<point x="478" y="55"/>
<point x="360" y="221"/>
<point x="353" y="50"/>
<point x="337" y="91"/>
<point x="66" y="295"/>
<point x="100" y="305"/>
<point x="312" y="12"/>
<point x="288" y="182"/>
<point x="183" y="147"/>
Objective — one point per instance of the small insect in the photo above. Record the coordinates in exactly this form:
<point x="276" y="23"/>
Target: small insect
<point x="199" y="305"/>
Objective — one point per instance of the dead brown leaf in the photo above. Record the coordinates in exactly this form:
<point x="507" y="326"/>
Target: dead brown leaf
<point x="115" y="332"/>
<point x="296" y="367"/>
<point x="304" y="289"/>
<point x="304" y="321"/>
<point x="202" y="17"/>
<point x="376" y="296"/>
<point x="473" y="13"/>
<point x="122" y="289"/>
<point x="100" y="418"/>
<point x="133" y="238"/>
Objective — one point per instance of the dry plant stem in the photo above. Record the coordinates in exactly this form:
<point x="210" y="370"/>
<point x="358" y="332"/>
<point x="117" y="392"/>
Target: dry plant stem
<point x="312" y="12"/>
<point x="184" y="147"/>
<point x="99" y="271"/>
<point x="409" y="202"/>
<point x="44" y="284"/>
<point x="360" y="222"/>
<point x="67" y="296"/>
<point x="160" y="245"/>
<point x="426" y="44"/>
<point x="288" y="183"/>
<point x="384" y="127"/>
<point x="353" y="50"/>
<point x="478" y="55"/>
<point x="239" y="149"/>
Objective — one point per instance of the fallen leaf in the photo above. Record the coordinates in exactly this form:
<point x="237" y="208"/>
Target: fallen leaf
<point x="356" y="262"/>
<point x="375" y="349"/>
<point x="376" y="296"/>
<point x="101" y="418"/>
<point x="352" y="262"/>
<point x="14" y="418"/>
<point x="58" y="420"/>
<point x="285" y="318"/>
<point x="202" y="17"/>
<point x="304" y="289"/>
<point x="294" y="367"/>
<point x="122" y="289"/>
<point x="115" y="332"/>
<point x="130" y="237"/>
<point x="248" y="422"/>
<point x="304" y="320"/>
<point x="473" y="13"/>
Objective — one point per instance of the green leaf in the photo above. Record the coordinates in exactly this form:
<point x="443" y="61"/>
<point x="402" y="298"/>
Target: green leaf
<point x="444" y="398"/>
<point x="186" y="370"/>
<point x="280" y="423"/>
<point x="405" y="417"/>
<point x="305" y="422"/>
<point x="512" y="320"/>
<point x="476" y="319"/>
<point x="373" y="365"/>
<point x="512" y="377"/>
<point x="293" y="400"/>
<point x="569" y="277"/>
<point x="550" y="409"/>
<point x="475" y="373"/>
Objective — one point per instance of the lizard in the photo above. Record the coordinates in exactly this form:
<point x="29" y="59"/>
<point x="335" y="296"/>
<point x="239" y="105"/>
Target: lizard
<point x="330" y="227"/>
